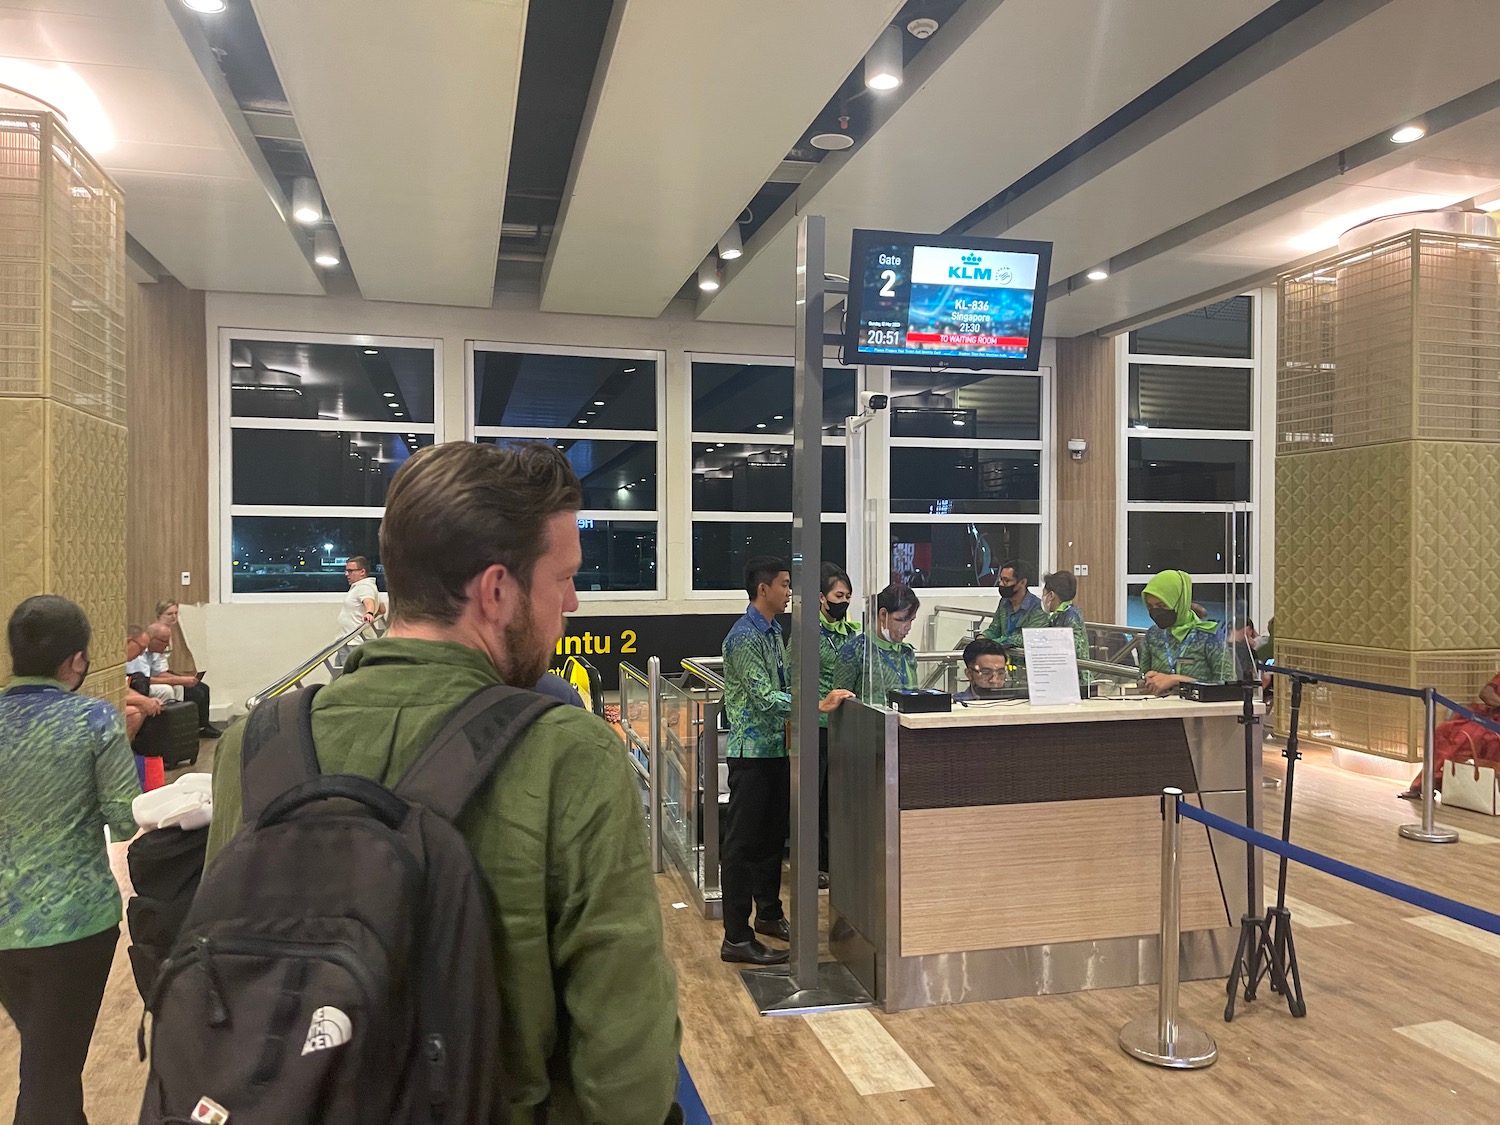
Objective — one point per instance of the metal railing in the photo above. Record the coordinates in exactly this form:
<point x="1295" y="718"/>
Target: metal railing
<point x="368" y="630"/>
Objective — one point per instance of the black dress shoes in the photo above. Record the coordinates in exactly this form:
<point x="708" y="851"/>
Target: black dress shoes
<point x="780" y="929"/>
<point x="751" y="953"/>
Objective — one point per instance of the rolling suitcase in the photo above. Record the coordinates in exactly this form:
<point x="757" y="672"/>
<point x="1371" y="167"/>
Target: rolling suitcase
<point x="171" y="736"/>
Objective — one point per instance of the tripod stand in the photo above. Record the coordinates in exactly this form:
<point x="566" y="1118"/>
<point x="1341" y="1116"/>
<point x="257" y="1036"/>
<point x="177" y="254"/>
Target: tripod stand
<point x="1266" y="944"/>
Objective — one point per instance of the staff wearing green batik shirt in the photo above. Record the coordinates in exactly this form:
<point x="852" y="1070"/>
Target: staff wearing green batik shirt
<point x="1180" y="646"/>
<point x="870" y="665"/>
<point x="1058" y="592"/>
<point x="1019" y="609"/>
<point x="834" y="631"/>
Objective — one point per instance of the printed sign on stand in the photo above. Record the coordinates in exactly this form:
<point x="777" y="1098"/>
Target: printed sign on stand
<point x="1051" y="665"/>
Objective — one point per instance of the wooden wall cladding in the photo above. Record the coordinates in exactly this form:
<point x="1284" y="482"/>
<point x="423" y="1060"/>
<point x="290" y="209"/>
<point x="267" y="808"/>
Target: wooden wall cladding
<point x="1087" y="501"/>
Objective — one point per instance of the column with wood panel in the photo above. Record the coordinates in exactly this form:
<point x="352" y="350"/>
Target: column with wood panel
<point x="1087" y="491"/>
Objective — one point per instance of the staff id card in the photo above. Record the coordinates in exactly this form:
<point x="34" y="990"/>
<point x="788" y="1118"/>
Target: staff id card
<point x="1051" y="665"/>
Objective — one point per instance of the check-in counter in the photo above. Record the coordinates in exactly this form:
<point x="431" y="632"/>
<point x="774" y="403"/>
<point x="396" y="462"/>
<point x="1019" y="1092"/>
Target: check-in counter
<point x="1015" y="850"/>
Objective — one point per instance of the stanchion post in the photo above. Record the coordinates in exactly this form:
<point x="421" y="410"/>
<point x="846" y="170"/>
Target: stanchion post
<point x="1428" y="832"/>
<point x="653" y="760"/>
<point x="1164" y="1039"/>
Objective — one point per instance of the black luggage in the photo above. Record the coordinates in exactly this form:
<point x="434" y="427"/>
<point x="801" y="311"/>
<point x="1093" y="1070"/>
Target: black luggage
<point x="171" y="736"/>
<point x="165" y="867"/>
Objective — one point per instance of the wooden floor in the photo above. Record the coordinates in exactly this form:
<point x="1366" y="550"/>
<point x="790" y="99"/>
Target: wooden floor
<point x="1403" y="1020"/>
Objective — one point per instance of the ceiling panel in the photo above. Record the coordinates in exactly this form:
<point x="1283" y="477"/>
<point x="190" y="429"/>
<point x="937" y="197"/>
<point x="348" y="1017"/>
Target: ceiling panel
<point x="1021" y="86"/>
<point x="133" y="90"/>
<point x="673" y="148"/>
<point x="1408" y="57"/>
<point x="407" y="112"/>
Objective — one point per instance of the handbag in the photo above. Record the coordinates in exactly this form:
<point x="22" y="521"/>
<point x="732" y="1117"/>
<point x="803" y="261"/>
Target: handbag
<point x="1469" y="785"/>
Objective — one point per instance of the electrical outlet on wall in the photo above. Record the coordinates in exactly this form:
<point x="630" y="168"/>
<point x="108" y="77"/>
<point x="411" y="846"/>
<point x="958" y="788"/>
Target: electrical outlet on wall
<point x="1081" y="570"/>
<point x="187" y="578"/>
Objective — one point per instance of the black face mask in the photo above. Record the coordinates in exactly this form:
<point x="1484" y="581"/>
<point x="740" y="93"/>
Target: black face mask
<point x="837" y="611"/>
<point x="1164" y="618"/>
<point x="1006" y="591"/>
<point x="87" y="664"/>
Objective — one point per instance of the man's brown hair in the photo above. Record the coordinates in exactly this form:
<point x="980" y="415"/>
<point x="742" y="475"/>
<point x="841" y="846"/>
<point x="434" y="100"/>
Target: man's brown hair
<point x="358" y="562"/>
<point x="455" y="510"/>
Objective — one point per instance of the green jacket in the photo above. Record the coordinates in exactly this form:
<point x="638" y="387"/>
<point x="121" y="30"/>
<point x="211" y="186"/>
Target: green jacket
<point x="589" y="996"/>
<point x="832" y="636"/>
<point x="757" y="698"/>
<point x="892" y="665"/>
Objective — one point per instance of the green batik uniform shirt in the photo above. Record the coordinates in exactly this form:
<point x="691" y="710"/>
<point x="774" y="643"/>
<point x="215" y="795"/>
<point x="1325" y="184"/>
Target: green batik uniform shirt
<point x="589" y="997"/>
<point x="756" y="700"/>
<point x="1066" y="616"/>
<point x="892" y="665"/>
<point x="832" y="636"/>
<point x="66" y="772"/>
<point x="1202" y="655"/>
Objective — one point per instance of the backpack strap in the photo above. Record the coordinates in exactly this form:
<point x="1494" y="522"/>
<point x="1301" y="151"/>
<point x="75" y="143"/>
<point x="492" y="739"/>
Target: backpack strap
<point x="477" y="740"/>
<point x="277" y="753"/>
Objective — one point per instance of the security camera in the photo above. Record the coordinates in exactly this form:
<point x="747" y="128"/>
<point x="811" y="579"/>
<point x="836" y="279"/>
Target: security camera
<point x="1077" y="447"/>
<point x="869" y="400"/>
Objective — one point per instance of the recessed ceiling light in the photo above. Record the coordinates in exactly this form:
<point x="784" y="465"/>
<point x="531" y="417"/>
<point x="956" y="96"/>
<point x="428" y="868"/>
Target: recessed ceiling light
<point x="1098" y="273"/>
<point x="389" y="394"/>
<point x="598" y="402"/>
<point x="779" y="418"/>
<point x="760" y="425"/>
<point x="207" y="7"/>
<point x="400" y="415"/>
<point x="393" y="405"/>
<point x="583" y="421"/>
<point x="372" y="351"/>
<point x="1408" y="133"/>
<point x="958" y="421"/>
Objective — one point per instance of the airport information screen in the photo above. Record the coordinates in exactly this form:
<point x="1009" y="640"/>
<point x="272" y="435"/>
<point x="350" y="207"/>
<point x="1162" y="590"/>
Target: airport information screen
<point x="975" y="304"/>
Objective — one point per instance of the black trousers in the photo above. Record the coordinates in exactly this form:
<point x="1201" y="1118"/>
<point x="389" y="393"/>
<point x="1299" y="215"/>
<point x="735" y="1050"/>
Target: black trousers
<point x="197" y="695"/>
<point x="53" y="995"/>
<point x="823" y="799"/>
<point x="755" y="829"/>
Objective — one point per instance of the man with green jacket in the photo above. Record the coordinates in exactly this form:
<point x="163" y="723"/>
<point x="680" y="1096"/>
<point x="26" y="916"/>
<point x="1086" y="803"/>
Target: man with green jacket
<point x="480" y="547"/>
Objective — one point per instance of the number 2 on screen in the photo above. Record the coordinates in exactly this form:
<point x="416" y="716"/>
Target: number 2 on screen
<point x="889" y="288"/>
<point x="627" y="641"/>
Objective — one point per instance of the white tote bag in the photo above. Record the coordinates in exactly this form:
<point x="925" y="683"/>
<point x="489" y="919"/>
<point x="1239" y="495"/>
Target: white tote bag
<point x="1469" y="785"/>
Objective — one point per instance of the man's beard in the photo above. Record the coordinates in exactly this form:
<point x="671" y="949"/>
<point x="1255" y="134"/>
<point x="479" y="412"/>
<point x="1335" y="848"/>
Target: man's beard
<point x="527" y="655"/>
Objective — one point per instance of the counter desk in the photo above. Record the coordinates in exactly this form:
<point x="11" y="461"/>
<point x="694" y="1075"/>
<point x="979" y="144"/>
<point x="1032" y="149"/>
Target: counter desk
<point x="1015" y="850"/>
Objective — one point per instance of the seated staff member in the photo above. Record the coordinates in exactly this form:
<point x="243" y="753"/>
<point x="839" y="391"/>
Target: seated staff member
<point x="892" y="663"/>
<point x="984" y="663"/>
<point x="1058" y="591"/>
<point x="834" y="631"/>
<point x="758" y="703"/>
<point x="1019" y="609"/>
<point x="1180" y="646"/>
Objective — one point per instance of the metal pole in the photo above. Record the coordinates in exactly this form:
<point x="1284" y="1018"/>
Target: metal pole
<point x="653" y="760"/>
<point x="1165" y="1039"/>
<point x="1428" y="832"/>
<point x="807" y="564"/>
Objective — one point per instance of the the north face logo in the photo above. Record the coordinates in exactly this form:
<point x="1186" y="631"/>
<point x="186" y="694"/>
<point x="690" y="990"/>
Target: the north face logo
<point x="330" y="1028"/>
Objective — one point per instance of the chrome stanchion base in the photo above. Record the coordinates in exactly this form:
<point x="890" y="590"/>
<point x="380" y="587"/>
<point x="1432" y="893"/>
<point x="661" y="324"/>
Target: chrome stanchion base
<point x="1438" y="834"/>
<point x="1190" y="1048"/>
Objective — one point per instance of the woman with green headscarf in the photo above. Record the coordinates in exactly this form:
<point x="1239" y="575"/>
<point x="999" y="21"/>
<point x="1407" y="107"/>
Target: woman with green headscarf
<point x="1180" y="646"/>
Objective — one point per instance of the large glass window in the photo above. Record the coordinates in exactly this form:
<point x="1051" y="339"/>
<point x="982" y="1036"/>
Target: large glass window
<point x="316" y="428"/>
<point x="959" y="555"/>
<point x="1189" y="453"/>
<point x="741" y="502"/>
<point x="602" y="409"/>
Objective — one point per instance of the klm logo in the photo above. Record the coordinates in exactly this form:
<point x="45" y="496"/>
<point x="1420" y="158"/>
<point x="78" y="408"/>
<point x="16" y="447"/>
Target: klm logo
<point x="971" y="270"/>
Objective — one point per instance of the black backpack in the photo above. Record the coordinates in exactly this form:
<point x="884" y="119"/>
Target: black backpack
<point x="336" y="964"/>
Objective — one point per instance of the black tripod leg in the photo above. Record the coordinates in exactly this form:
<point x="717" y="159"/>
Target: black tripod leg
<point x="1294" y="1001"/>
<point x="1241" y="959"/>
<point x="1276" y="919"/>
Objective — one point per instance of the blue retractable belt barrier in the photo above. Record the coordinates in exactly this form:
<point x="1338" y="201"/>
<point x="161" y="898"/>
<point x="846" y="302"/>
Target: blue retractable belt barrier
<point x="1425" y="900"/>
<point x="693" y="1110"/>
<point x="1321" y="678"/>
<point x="1459" y="709"/>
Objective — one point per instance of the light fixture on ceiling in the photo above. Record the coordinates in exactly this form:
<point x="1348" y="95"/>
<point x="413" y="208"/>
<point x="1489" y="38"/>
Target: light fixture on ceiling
<point x="307" y="201"/>
<point x="583" y="421"/>
<point x="372" y="351"/>
<point x="207" y="7"/>
<point x="730" y="246"/>
<point x="1408" y="133"/>
<point x="598" y="402"/>
<point x="834" y="142"/>
<point x="326" y="248"/>
<point x="389" y="394"/>
<point x="708" y="275"/>
<point x="883" y="64"/>
<point x="394" y="405"/>
<point x="1098" y="273"/>
<point x="399" y="414"/>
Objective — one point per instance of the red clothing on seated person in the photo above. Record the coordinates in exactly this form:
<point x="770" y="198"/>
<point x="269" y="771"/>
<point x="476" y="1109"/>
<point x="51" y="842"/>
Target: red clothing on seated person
<point x="1462" y="740"/>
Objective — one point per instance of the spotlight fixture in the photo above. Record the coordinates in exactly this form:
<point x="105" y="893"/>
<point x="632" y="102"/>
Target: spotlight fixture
<point x="307" y="201"/>
<point x="389" y="394"/>
<point x="884" y="63"/>
<point x="598" y="402"/>
<point x="1098" y="273"/>
<point x="372" y="351"/>
<point x="326" y="248"/>
<point x="583" y="421"/>
<point x="708" y="275"/>
<point x="207" y="7"/>
<point x="730" y="246"/>
<point x="1408" y="133"/>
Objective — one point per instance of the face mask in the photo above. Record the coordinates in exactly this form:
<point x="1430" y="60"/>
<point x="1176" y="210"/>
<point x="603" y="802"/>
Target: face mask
<point x="1007" y="591"/>
<point x="87" y="663"/>
<point x="837" y="611"/>
<point x="1164" y="618"/>
<point x="885" y="635"/>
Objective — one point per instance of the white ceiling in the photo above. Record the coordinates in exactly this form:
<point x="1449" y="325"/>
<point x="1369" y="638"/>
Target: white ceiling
<point x="1019" y="88"/>
<point x="407" y="112"/>
<point x="672" y="130"/>
<point x="193" y="197"/>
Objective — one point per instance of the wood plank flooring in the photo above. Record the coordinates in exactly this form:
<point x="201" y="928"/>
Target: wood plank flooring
<point x="1379" y="1044"/>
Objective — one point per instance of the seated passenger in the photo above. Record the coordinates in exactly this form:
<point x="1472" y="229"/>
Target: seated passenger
<point x="1463" y="740"/>
<point x="1180" y="646"/>
<point x="892" y="662"/>
<point x="138" y="666"/>
<point x="138" y="706"/>
<point x="189" y="688"/>
<point x="984" y="664"/>
<point x="1058" y="592"/>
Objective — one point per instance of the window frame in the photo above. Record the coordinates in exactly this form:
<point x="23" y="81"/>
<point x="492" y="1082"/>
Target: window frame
<point x="658" y="436"/>
<point x="221" y="481"/>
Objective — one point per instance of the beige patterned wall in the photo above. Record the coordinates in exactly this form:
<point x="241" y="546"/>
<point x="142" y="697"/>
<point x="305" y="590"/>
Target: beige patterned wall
<point x="1388" y="465"/>
<point x="62" y="384"/>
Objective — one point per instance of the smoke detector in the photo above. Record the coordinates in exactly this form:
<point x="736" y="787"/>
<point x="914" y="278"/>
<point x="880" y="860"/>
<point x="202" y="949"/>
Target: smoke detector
<point x="833" y="142"/>
<point x="922" y="27"/>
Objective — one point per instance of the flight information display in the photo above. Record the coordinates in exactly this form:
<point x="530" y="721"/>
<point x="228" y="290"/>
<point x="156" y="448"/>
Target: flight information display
<point x="928" y="301"/>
